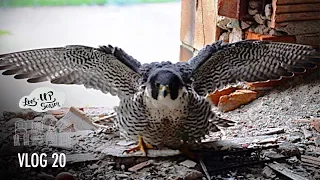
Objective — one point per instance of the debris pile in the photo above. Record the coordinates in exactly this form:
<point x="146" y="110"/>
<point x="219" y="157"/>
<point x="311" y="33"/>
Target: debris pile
<point x="277" y="136"/>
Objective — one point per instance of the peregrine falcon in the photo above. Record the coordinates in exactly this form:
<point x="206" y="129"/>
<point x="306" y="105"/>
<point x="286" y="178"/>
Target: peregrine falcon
<point x="162" y="103"/>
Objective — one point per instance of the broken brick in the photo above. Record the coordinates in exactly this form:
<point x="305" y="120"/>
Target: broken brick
<point x="215" y="96"/>
<point x="232" y="9"/>
<point x="139" y="166"/>
<point x="77" y="118"/>
<point x="255" y="36"/>
<point x="236" y="99"/>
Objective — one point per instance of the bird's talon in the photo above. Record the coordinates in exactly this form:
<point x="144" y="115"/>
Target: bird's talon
<point x="142" y="146"/>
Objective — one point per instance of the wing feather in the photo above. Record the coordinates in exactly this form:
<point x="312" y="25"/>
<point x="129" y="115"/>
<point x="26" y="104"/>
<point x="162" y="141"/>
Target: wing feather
<point x="106" y="68"/>
<point x="217" y="65"/>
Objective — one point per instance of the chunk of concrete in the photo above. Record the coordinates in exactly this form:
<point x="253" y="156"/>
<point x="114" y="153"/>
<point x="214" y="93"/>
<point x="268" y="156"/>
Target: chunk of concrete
<point x="76" y="119"/>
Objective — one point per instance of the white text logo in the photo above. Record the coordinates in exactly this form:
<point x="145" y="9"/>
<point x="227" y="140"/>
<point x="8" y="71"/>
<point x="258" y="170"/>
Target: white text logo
<point x="43" y="99"/>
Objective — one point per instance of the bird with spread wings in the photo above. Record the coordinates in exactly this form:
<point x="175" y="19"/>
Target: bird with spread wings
<point x="162" y="103"/>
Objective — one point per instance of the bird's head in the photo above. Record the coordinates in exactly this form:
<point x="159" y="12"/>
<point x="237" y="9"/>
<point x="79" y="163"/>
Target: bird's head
<point x="165" y="84"/>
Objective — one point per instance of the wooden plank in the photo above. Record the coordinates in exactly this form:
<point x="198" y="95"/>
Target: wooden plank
<point x="280" y="20"/>
<point x="309" y="161"/>
<point x="283" y="2"/>
<point x="117" y="151"/>
<point x="204" y="168"/>
<point x="141" y="165"/>
<point x="311" y="158"/>
<point x="187" y="26"/>
<point x="185" y="53"/>
<point x="210" y="29"/>
<point x="294" y="8"/>
<point x="307" y="164"/>
<point x="285" y="171"/>
<point x="233" y="143"/>
<point x="297" y="17"/>
<point x="199" y="26"/>
<point x="271" y="131"/>
<point x="76" y="119"/>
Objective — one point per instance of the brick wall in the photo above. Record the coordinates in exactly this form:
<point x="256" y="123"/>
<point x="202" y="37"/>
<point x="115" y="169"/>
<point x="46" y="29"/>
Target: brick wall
<point x="199" y="22"/>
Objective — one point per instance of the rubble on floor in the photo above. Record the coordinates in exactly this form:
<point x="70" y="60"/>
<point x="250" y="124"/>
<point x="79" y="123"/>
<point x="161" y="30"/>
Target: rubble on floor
<point x="276" y="137"/>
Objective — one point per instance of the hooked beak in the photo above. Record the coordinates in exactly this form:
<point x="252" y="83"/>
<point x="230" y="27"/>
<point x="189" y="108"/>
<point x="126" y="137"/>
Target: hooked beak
<point x="164" y="90"/>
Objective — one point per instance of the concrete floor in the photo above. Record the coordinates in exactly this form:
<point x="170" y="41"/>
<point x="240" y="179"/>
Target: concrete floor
<point x="148" y="32"/>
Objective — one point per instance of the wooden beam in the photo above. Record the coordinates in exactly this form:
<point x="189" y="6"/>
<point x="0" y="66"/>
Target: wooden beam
<point x="187" y="26"/>
<point x="294" y="8"/>
<point x="285" y="2"/>
<point x="285" y="171"/>
<point x="209" y="15"/>
<point x="297" y="17"/>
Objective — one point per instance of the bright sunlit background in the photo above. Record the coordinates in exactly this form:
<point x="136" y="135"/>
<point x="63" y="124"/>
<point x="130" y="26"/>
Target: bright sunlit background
<point x="147" y="31"/>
